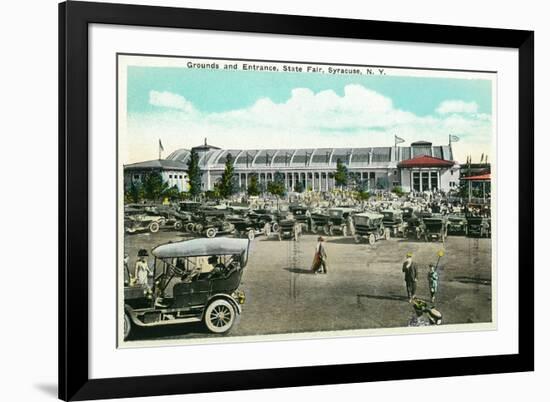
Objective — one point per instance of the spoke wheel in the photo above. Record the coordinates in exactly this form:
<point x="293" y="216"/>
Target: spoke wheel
<point x="372" y="239"/>
<point x="154" y="227"/>
<point x="219" y="316"/>
<point x="127" y="326"/>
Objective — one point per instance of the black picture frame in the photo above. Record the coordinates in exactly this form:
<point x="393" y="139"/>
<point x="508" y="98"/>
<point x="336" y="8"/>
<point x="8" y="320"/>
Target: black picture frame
<point x="74" y="18"/>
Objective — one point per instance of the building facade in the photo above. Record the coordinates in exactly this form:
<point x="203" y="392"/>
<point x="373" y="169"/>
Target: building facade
<point x="172" y="172"/>
<point x="420" y="166"/>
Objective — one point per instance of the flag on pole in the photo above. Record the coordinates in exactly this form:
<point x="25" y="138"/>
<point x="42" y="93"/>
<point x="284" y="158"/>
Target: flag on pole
<point x="398" y="140"/>
<point x="453" y="138"/>
<point x="161" y="148"/>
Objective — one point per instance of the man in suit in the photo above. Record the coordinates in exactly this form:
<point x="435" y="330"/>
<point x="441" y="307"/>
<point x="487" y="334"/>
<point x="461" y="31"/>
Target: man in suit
<point x="409" y="269"/>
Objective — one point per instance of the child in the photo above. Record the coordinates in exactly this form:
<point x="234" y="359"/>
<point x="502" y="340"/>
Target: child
<point x="433" y="278"/>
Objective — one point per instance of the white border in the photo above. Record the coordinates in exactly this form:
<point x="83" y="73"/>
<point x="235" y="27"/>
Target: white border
<point x="107" y="361"/>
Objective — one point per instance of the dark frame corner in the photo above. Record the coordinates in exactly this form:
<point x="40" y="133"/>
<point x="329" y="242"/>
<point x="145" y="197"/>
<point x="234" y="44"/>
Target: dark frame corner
<point x="74" y="17"/>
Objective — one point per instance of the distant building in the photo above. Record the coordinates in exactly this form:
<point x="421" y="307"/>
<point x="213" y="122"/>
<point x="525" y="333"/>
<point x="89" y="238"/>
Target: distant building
<point x="420" y="166"/>
<point x="173" y="172"/>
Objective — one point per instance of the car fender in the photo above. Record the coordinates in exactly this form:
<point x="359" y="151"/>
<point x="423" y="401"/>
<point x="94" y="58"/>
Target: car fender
<point x="222" y="296"/>
<point x="130" y="311"/>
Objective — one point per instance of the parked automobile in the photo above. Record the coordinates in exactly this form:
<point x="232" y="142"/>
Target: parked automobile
<point x="319" y="221"/>
<point x="210" y="222"/>
<point x="301" y="214"/>
<point x="137" y="218"/>
<point x="368" y="225"/>
<point x="189" y="206"/>
<point x="340" y="221"/>
<point x="173" y="218"/>
<point x="289" y="228"/>
<point x="209" y="297"/>
<point x="393" y="220"/>
<point x="434" y="228"/>
<point x="263" y="216"/>
<point x="457" y="224"/>
<point x="478" y="226"/>
<point x="246" y="227"/>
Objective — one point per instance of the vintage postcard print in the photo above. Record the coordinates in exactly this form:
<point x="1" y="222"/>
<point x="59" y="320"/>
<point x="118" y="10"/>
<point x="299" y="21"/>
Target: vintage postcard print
<point x="263" y="200"/>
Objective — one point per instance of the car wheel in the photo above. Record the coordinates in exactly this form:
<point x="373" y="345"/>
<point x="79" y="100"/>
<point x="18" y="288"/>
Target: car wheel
<point x="198" y="228"/>
<point x="127" y="326"/>
<point x="275" y="227"/>
<point x="178" y="225"/>
<point x="251" y="235"/>
<point x="190" y="226"/>
<point x="219" y="316"/>
<point x="372" y="239"/>
<point x="210" y="233"/>
<point x="154" y="227"/>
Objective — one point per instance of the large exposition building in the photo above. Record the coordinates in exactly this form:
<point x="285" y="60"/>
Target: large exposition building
<point x="420" y="166"/>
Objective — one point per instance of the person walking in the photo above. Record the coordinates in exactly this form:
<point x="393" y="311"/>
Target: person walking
<point x="409" y="269"/>
<point x="319" y="265"/>
<point x="433" y="278"/>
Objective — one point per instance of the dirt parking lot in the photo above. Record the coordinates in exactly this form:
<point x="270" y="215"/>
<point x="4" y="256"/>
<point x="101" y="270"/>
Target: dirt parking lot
<point x="364" y="287"/>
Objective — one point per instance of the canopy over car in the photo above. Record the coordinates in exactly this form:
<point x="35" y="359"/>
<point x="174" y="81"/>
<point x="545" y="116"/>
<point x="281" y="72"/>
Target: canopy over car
<point x="370" y="215"/>
<point x="201" y="247"/>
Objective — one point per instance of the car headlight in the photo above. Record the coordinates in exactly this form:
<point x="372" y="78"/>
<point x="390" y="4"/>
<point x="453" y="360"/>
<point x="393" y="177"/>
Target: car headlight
<point x="239" y="296"/>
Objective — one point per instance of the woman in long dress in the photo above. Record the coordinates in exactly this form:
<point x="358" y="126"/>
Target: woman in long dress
<point x="142" y="270"/>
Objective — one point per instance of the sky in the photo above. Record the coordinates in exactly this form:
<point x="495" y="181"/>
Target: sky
<point x="251" y="109"/>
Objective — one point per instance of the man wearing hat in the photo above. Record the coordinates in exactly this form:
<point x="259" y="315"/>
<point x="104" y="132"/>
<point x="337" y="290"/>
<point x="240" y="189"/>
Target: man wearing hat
<point x="409" y="268"/>
<point x="319" y="265"/>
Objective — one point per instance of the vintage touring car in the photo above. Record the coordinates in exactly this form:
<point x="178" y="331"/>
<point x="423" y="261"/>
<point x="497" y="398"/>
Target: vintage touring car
<point x="139" y="218"/>
<point x="434" y="228"/>
<point x="186" y="290"/>
<point x="340" y="221"/>
<point x="393" y="220"/>
<point x="369" y="225"/>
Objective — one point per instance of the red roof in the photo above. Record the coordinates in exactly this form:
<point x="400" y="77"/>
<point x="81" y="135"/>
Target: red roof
<point x="481" y="177"/>
<point x="425" y="161"/>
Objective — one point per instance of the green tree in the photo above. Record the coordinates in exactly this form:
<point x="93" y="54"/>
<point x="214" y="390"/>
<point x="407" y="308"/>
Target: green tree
<point x="398" y="191"/>
<point x="253" y="188"/>
<point x="277" y="185"/>
<point x="227" y="186"/>
<point x="173" y="193"/>
<point x="134" y="192"/>
<point x="194" y="174"/>
<point x="154" y="187"/>
<point x="299" y="187"/>
<point x="341" y="175"/>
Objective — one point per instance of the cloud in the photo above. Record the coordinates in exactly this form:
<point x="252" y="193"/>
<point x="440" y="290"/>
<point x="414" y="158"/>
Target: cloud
<point x="456" y="106"/>
<point x="360" y="117"/>
<point x="170" y="100"/>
